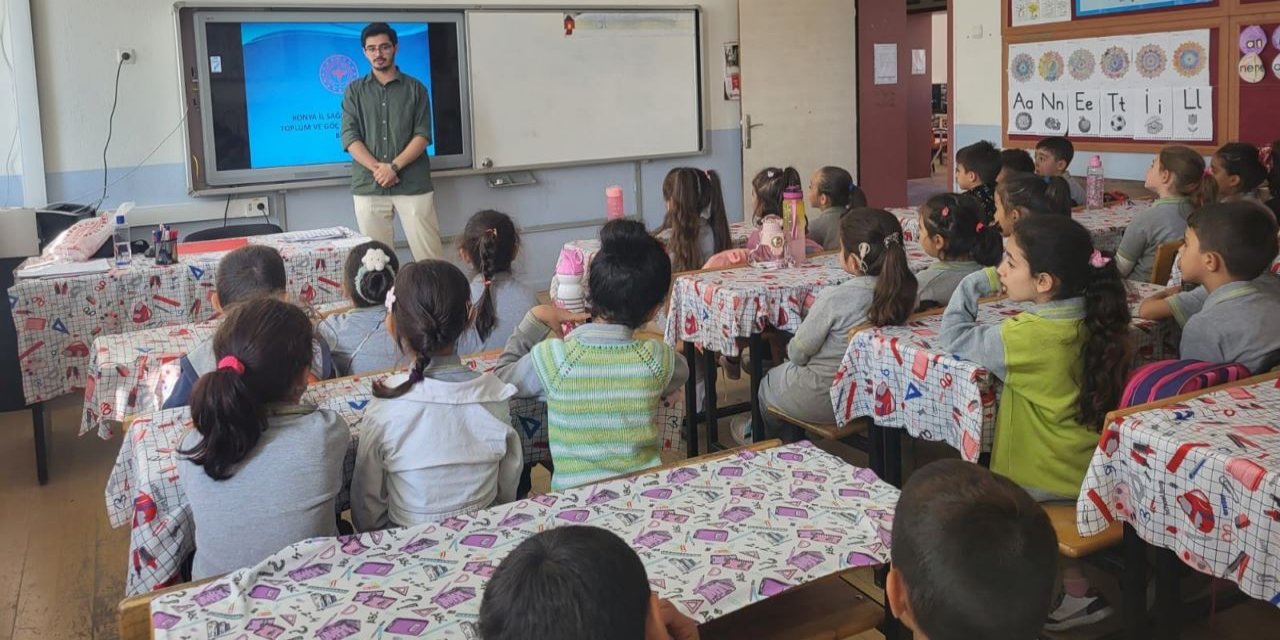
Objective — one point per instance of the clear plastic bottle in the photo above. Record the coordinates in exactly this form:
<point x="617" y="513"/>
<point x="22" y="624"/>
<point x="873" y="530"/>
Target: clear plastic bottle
<point x="1094" y="184"/>
<point x="120" y="240"/>
<point x="794" y="224"/>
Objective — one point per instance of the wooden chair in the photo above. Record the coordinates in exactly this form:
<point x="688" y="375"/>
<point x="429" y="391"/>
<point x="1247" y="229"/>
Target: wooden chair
<point x="1070" y="543"/>
<point x="824" y="609"/>
<point x="853" y="431"/>
<point x="1166" y="253"/>
<point x="133" y="619"/>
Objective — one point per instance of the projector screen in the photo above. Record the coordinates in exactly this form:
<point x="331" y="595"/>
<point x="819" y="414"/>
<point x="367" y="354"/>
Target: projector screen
<point x="270" y="87"/>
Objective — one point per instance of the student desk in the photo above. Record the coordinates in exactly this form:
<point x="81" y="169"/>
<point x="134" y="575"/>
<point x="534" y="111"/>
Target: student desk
<point x="1197" y="476"/>
<point x="57" y="318"/>
<point x="713" y="309"/>
<point x="1105" y="225"/>
<point x="715" y="535"/>
<point x="143" y="488"/>
<point x="903" y="379"/>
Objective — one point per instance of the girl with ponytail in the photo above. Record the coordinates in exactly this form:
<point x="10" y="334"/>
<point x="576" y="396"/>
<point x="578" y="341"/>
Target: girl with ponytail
<point x="358" y="338"/>
<point x="696" y="217"/>
<point x="490" y="244"/>
<point x="881" y="292"/>
<point x="1179" y="176"/>
<point x="435" y="442"/>
<point x="253" y="444"/>
<point x="832" y="193"/>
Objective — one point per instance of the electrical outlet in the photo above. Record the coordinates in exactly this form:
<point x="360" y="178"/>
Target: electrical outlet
<point x="126" y="56"/>
<point x="257" y="207"/>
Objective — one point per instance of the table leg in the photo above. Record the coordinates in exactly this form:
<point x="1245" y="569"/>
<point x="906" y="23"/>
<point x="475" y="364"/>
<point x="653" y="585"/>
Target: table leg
<point x="1168" y="598"/>
<point x="42" y="448"/>
<point x="709" y="361"/>
<point x="875" y="449"/>
<point x="1134" y="584"/>
<point x="756" y="344"/>
<point x="691" y="401"/>
<point x="892" y="441"/>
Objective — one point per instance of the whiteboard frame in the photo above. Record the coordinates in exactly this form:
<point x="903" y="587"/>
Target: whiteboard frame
<point x="283" y="187"/>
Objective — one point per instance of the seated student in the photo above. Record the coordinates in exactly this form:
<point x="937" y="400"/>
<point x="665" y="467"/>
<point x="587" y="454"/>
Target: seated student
<point x="1229" y="247"/>
<point x="977" y="168"/>
<point x="1053" y="157"/>
<point x="1014" y="162"/>
<point x="695" y="218"/>
<point x="1178" y="176"/>
<point x="602" y="385"/>
<point x="832" y="192"/>
<point x="973" y="556"/>
<point x="1271" y="160"/>
<point x="489" y="245"/>
<point x="1238" y="169"/>
<point x="246" y="273"/>
<point x="435" y="442"/>
<point x="1022" y="195"/>
<point x="260" y="470"/>
<point x="577" y="583"/>
<point x="358" y="338"/>
<point x="953" y="229"/>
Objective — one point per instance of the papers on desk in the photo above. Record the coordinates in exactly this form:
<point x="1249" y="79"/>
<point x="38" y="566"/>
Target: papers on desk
<point x="312" y="235"/>
<point x="58" y="269"/>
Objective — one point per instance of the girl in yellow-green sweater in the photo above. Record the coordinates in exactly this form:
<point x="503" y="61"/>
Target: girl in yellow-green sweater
<point x="1063" y="364"/>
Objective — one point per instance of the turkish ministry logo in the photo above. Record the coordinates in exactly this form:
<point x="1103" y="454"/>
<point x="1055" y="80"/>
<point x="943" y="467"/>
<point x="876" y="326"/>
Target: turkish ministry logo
<point x="336" y="72"/>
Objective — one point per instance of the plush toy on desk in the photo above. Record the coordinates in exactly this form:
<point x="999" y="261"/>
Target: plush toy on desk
<point x="566" y="286"/>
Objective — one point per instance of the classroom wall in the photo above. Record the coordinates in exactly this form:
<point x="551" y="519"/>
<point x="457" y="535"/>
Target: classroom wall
<point x="919" y="35"/>
<point x="75" y="55"/>
<point x="977" y="48"/>
<point x="940" y="48"/>
<point x="10" y="157"/>
<point x="882" y="119"/>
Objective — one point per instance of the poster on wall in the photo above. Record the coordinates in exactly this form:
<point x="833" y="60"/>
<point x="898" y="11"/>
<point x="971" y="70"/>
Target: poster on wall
<point x="1151" y="86"/>
<point x="1025" y="12"/>
<point x="1104" y="7"/>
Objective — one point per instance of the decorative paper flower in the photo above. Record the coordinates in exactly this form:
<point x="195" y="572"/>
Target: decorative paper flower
<point x="1081" y="64"/>
<point x="1023" y="66"/>
<point x="1115" y="62"/>
<point x="1150" y="61"/>
<point x="1051" y="66"/>
<point x="1189" y="59"/>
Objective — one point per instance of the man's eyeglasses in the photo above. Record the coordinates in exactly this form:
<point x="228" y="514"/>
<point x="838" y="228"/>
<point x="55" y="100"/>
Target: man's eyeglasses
<point x="379" y="48"/>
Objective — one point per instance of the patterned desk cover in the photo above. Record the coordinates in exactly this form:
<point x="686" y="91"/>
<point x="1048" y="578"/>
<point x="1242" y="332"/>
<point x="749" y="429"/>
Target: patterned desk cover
<point x="1200" y="478"/>
<point x="898" y="376"/>
<point x="57" y="319"/>
<point x="715" y="308"/>
<point x="1106" y="225"/>
<point x="714" y="536"/>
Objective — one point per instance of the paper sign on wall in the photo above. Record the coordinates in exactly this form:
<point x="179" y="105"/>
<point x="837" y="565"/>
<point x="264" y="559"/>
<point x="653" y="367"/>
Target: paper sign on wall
<point x="886" y="63"/>
<point x="1193" y="113"/>
<point x="1023" y="112"/>
<point x="1117" y="114"/>
<point x="1085" y="113"/>
<point x="1155" y="117"/>
<point x="918" y="63"/>
<point x="1053" y="113"/>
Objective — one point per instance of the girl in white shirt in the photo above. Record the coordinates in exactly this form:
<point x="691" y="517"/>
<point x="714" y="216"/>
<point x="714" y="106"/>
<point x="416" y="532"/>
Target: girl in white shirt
<point x="435" y="442"/>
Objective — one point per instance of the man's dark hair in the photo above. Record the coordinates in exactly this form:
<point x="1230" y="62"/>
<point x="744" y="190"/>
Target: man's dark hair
<point x="982" y="158"/>
<point x="378" y="29"/>
<point x="567" y="583"/>
<point x="978" y="557"/>
<point x="1243" y="233"/>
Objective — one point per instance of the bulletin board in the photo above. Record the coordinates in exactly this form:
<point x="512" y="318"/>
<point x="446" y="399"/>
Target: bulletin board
<point x="1257" y="103"/>
<point x="1167" y="59"/>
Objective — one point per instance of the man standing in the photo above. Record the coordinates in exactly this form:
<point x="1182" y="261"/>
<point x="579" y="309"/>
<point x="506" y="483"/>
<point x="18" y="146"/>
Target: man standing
<point x="386" y="127"/>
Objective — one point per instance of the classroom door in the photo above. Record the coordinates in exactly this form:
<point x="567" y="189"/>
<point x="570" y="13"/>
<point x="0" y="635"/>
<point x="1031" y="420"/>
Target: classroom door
<point x="799" y="86"/>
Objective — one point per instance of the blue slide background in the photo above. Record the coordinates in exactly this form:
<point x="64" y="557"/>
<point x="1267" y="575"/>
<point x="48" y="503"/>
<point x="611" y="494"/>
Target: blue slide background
<point x="294" y="119"/>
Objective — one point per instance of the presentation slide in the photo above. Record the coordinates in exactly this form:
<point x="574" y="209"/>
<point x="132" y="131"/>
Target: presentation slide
<point x="294" y="78"/>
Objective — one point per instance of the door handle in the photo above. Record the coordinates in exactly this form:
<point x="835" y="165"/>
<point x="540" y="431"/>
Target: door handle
<point x="747" y="126"/>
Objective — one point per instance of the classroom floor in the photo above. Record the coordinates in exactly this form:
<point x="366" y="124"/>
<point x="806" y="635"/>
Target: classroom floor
<point x="63" y="566"/>
<point x="921" y="189"/>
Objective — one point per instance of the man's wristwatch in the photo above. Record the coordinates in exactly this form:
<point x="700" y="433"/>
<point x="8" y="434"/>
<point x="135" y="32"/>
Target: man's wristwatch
<point x="396" y="168"/>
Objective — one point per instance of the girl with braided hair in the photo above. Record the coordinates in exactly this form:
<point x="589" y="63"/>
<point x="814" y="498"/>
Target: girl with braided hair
<point x="490" y="244"/>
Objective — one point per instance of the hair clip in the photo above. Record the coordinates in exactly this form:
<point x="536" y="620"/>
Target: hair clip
<point x="863" y="250"/>
<point x="892" y="239"/>
<point x="770" y="174"/>
<point x="1208" y="171"/>
<point x="1264" y="156"/>
<point x="979" y="227"/>
<point x="487" y="283"/>
<point x="946" y="211"/>
<point x="375" y="259"/>
<point x="492" y="231"/>
<point x="853" y="187"/>
<point x="1098" y="260"/>
<point x="391" y="299"/>
<point x="233" y="363"/>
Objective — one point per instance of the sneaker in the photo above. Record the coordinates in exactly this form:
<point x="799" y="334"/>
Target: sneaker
<point x="1073" y="611"/>
<point x="740" y="430"/>
<point x="732" y="367"/>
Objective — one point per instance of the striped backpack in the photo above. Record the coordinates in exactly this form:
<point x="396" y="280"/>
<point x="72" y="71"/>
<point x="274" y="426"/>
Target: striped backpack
<point x="1168" y="378"/>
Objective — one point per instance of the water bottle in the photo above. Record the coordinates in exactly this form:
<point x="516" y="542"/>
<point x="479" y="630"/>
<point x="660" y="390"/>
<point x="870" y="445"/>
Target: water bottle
<point x="1094" y="184"/>
<point x="613" y="203"/>
<point x="794" y="224"/>
<point x="120" y="239"/>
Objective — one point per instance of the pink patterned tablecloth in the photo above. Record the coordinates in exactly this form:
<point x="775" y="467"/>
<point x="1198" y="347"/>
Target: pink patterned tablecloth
<point x="58" y="318"/>
<point x="715" y="308"/>
<point x="1200" y="478"/>
<point x="1105" y="225"/>
<point x="143" y="487"/>
<point x="714" y="537"/>
<point x="901" y="377"/>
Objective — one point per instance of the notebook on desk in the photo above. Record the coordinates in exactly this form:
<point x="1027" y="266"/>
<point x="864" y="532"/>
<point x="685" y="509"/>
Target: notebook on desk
<point x="211" y="246"/>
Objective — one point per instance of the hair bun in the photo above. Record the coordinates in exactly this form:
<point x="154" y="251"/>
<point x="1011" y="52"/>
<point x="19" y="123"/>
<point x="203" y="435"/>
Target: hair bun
<point x="621" y="235"/>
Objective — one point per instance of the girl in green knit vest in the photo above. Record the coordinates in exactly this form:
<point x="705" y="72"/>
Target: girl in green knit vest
<point x="602" y="385"/>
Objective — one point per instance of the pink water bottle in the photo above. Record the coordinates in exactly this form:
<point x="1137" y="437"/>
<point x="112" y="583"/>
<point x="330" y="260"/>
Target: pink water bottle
<point x="613" y="203"/>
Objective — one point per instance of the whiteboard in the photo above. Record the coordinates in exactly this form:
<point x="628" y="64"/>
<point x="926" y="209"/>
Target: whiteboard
<point x="624" y="84"/>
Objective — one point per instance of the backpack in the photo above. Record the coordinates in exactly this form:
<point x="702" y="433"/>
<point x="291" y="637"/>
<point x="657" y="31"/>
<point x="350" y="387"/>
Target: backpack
<point x="1168" y="378"/>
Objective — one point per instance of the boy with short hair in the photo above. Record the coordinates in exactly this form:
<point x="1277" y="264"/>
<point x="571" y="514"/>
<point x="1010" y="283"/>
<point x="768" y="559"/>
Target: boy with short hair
<point x="973" y="556"/>
<point x="577" y="583"/>
<point x="1053" y="157"/>
<point x="1014" y="162"/>
<point x="977" y="167"/>
<point x="1229" y="247"/>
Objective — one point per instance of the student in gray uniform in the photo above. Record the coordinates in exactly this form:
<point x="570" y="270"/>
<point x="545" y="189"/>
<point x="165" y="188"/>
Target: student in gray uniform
<point x="490" y="244"/>
<point x="1238" y="170"/>
<point x="358" y="338"/>
<point x="1177" y="175"/>
<point x="832" y="192"/>
<point x="1229" y="246"/>
<point x="1019" y="196"/>
<point x="882" y="292"/>
<point x="953" y="229"/>
<point x="260" y="470"/>
<point x="1053" y="156"/>
<point x="696" y="217"/>
<point x="246" y="273"/>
